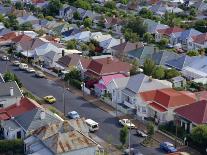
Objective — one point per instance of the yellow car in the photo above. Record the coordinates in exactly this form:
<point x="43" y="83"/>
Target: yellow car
<point x="49" y="99"/>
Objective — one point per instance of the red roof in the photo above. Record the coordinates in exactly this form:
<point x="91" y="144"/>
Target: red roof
<point x="196" y="112"/>
<point x="107" y="66"/>
<point x="169" y="97"/>
<point x="25" y="104"/>
<point x="200" y="39"/>
<point x="22" y="37"/>
<point x="8" y="36"/>
<point x="38" y="1"/>
<point x="169" y="31"/>
<point x="158" y="107"/>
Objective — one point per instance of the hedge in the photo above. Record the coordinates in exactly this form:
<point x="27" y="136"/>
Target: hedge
<point x="12" y="146"/>
<point x="75" y="83"/>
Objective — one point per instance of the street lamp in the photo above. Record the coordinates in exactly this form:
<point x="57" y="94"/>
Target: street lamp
<point x="83" y="86"/>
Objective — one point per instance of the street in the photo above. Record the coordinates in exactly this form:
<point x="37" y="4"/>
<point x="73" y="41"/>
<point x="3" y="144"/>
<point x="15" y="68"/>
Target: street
<point x="109" y="126"/>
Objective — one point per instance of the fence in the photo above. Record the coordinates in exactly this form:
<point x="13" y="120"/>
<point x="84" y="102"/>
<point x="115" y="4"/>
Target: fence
<point x="45" y="70"/>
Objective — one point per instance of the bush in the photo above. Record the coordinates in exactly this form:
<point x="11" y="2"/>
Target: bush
<point x="75" y="83"/>
<point x="15" y="146"/>
<point x="53" y="110"/>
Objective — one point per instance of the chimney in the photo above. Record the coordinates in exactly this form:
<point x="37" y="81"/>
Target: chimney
<point x="109" y="60"/>
<point x="17" y="102"/>
<point x="150" y="78"/>
<point x="11" y="91"/>
<point x="121" y="40"/>
<point x="42" y="115"/>
<point x="63" y="53"/>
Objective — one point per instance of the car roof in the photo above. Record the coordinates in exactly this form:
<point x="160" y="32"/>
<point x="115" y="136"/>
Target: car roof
<point x="73" y="112"/>
<point x="49" y="96"/>
<point x="168" y="143"/>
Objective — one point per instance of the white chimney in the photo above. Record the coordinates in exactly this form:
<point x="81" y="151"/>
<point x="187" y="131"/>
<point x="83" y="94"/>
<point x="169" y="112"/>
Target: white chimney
<point x="42" y="115"/>
<point x="11" y="91"/>
<point x="17" y="102"/>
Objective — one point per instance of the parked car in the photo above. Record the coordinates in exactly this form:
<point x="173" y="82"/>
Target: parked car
<point x="50" y="99"/>
<point x="73" y="115"/>
<point x="93" y="126"/>
<point x="132" y="151"/>
<point x="30" y="70"/>
<point x="23" y="66"/>
<point x="168" y="147"/>
<point x="5" y="58"/>
<point x="39" y="74"/>
<point x="126" y="122"/>
<point x="141" y="133"/>
<point x="16" y="63"/>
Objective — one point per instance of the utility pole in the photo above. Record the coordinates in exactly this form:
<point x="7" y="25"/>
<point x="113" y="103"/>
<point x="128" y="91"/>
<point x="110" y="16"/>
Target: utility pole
<point x="130" y="138"/>
<point x="176" y="131"/>
<point x="64" y="99"/>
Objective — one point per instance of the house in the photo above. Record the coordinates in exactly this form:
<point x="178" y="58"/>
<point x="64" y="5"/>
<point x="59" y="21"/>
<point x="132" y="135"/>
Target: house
<point x="196" y="69"/>
<point x="28" y="18"/>
<point x="66" y="12"/>
<point x="178" y="82"/>
<point x="107" y="44"/>
<point x="198" y="42"/>
<point x="137" y="84"/>
<point x="23" y="124"/>
<point x="101" y="87"/>
<point x="192" y="115"/>
<point x="160" y="104"/>
<point x="168" y="32"/>
<point x="180" y="62"/>
<point x="153" y="26"/>
<point x="106" y="66"/>
<point x="10" y="93"/>
<point x="67" y="141"/>
<point x="81" y="36"/>
<point x="161" y="57"/>
<point x="124" y="47"/>
<point x="200" y="5"/>
<point x="58" y="30"/>
<point x="50" y="59"/>
<point x="6" y="39"/>
<point x="142" y="53"/>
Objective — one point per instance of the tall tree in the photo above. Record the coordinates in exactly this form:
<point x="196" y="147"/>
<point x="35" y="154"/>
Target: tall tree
<point x="134" y="68"/>
<point x="148" y="67"/>
<point x="123" y="135"/>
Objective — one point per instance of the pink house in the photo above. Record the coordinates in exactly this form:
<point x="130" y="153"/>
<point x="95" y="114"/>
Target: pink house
<point x="101" y="86"/>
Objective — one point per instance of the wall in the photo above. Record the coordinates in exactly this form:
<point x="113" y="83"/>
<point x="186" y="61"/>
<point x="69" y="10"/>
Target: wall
<point x="84" y="151"/>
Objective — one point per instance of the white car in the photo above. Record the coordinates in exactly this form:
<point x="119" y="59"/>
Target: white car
<point x="16" y="63"/>
<point x="127" y="123"/>
<point x="30" y="70"/>
<point x="5" y="58"/>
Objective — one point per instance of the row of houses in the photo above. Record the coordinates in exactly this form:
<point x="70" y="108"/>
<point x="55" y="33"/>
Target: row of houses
<point x="42" y="131"/>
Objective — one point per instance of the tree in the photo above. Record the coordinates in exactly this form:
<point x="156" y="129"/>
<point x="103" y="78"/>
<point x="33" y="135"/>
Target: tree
<point x="11" y="22"/>
<point x="53" y="7"/>
<point x="87" y="22"/>
<point x="158" y="73"/>
<point x="135" y="24"/>
<point x="19" y="5"/>
<point x="123" y="135"/>
<point x="163" y="42"/>
<point x="146" y="13"/>
<point x="73" y="74"/>
<point x="201" y="25"/>
<point x="171" y="73"/>
<point x="131" y="36"/>
<point x="148" y="67"/>
<point x="49" y="18"/>
<point x="134" y="68"/>
<point x="150" y="129"/>
<point x="147" y="37"/>
<point x="192" y="53"/>
<point x="71" y="44"/>
<point x="199" y="137"/>
<point x="9" y="76"/>
<point x="110" y="5"/>
<point x="1" y="18"/>
<point x="193" y="12"/>
<point x="26" y="26"/>
<point x="76" y="15"/>
<point x="83" y="4"/>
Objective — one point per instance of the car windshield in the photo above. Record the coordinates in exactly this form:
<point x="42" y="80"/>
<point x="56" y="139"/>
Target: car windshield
<point x="128" y="121"/>
<point x="50" y="97"/>
<point x="94" y="126"/>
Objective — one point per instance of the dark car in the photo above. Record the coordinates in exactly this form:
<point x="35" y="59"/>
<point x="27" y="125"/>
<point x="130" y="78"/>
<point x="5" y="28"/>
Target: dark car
<point x="168" y="147"/>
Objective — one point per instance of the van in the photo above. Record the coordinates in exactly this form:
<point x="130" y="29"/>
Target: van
<point x="93" y="126"/>
<point x="23" y="66"/>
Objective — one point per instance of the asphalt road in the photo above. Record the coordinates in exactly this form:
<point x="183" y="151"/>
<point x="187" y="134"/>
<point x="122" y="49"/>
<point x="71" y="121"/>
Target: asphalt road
<point x="109" y="126"/>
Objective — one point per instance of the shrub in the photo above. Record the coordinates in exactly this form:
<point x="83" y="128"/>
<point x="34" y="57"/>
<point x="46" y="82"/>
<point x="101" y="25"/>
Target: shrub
<point x="15" y="146"/>
<point x="75" y="83"/>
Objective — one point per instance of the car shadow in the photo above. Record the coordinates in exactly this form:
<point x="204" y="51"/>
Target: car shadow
<point x="113" y="121"/>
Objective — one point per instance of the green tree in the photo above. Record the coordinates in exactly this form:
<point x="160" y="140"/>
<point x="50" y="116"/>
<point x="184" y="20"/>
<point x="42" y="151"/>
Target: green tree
<point x="148" y="67"/>
<point x="150" y="129"/>
<point x="163" y="43"/>
<point x="193" y="12"/>
<point x="9" y="76"/>
<point x="201" y="25"/>
<point x="1" y="18"/>
<point x="146" y="13"/>
<point x="73" y="74"/>
<point x="26" y="26"/>
<point x="110" y="5"/>
<point x="11" y="22"/>
<point x="87" y="22"/>
<point x="134" y="68"/>
<point x="83" y="4"/>
<point x="124" y="1"/>
<point x="171" y="73"/>
<point x="158" y="73"/>
<point x="192" y="53"/>
<point x="131" y="36"/>
<point x="199" y="137"/>
<point x="71" y="44"/>
<point x="123" y="135"/>
<point x="53" y="7"/>
<point x="76" y="15"/>
<point x="19" y="5"/>
<point x="147" y="37"/>
<point x="49" y="18"/>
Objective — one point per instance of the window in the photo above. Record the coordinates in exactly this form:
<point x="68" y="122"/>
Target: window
<point x="1" y="105"/>
<point x="144" y="110"/>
